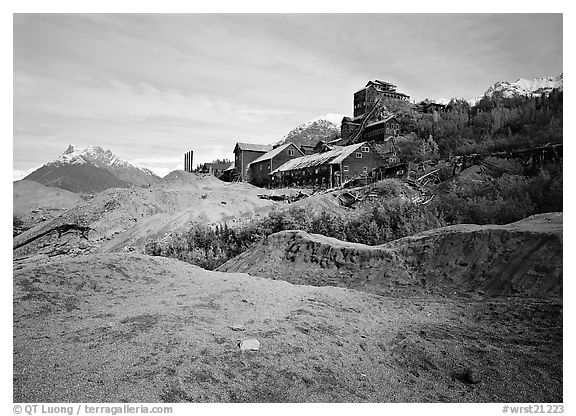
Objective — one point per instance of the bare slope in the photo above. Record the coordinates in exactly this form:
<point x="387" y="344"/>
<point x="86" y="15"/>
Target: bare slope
<point x="133" y="328"/>
<point x="30" y="195"/>
<point x="127" y="217"/>
<point x="523" y="258"/>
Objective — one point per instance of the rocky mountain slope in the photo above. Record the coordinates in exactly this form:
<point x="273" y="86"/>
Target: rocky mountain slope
<point x="523" y="87"/>
<point x="133" y="328"/>
<point x="530" y="87"/>
<point x="523" y="258"/>
<point x="323" y="128"/>
<point x="91" y="170"/>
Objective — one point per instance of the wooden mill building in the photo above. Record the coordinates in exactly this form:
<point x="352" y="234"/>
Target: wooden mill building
<point x="337" y="166"/>
<point x="372" y="120"/>
<point x="246" y="153"/>
<point x="373" y="92"/>
<point x="260" y="169"/>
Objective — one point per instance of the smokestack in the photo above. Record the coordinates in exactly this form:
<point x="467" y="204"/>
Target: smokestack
<point x="188" y="160"/>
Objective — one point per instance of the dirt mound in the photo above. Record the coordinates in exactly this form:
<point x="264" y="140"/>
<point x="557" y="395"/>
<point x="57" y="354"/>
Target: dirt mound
<point x="523" y="259"/>
<point x="128" y="217"/>
<point x="33" y="202"/>
<point x="181" y="178"/>
<point x="132" y="328"/>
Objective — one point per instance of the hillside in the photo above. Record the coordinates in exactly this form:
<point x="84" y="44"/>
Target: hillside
<point x="30" y="195"/>
<point x="128" y="217"/>
<point x="520" y="259"/>
<point x="83" y="179"/>
<point x="133" y="328"/>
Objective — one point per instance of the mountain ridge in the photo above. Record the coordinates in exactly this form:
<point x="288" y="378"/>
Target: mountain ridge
<point x="535" y="87"/>
<point x="325" y="127"/>
<point x="90" y="170"/>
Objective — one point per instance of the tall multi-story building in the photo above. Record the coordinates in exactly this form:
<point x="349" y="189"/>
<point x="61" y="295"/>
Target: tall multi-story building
<point x="369" y="122"/>
<point x="376" y="90"/>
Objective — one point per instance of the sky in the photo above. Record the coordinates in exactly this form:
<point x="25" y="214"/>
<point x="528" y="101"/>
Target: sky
<point x="151" y="87"/>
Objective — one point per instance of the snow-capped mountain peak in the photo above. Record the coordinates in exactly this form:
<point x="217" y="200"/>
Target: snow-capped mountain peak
<point x="325" y="127"/>
<point x="71" y="155"/>
<point x="529" y="87"/>
<point x="331" y="117"/>
<point x="104" y="159"/>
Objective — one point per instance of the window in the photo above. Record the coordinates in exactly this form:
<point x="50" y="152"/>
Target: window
<point x="260" y="167"/>
<point x="358" y="155"/>
<point x="365" y="149"/>
<point x="345" y="168"/>
<point x="290" y="152"/>
<point x="392" y="159"/>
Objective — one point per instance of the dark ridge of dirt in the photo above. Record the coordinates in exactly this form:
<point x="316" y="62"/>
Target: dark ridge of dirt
<point x="133" y="328"/>
<point x="519" y="259"/>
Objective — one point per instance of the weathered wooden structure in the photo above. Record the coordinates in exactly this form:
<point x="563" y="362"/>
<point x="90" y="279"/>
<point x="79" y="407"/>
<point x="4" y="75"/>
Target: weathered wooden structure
<point x="375" y="91"/>
<point x="216" y="169"/>
<point x="372" y="120"/>
<point x="337" y="166"/>
<point x="244" y="154"/>
<point x="260" y="169"/>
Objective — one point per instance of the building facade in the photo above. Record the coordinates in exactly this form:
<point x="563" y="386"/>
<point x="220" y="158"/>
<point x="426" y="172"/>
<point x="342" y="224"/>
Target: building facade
<point x="215" y="168"/>
<point x="260" y="169"/>
<point x="338" y="166"/>
<point x="372" y="119"/>
<point x="374" y="91"/>
<point x="246" y="153"/>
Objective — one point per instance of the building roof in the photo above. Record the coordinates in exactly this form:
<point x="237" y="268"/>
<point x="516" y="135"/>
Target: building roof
<point x="381" y="121"/>
<point x="274" y="152"/>
<point x="253" y="147"/>
<point x="318" y="159"/>
<point x="385" y="148"/>
<point x="377" y="81"/>
<point x="231" y="167"/>
<point x="347" y="151"/>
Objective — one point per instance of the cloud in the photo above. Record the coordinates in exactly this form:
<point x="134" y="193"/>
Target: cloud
<point x="21" y="174"/>
<point x="160" y="85"/>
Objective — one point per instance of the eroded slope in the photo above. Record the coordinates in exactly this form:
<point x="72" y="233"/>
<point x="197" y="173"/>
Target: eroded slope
<point x="523" y="258"/>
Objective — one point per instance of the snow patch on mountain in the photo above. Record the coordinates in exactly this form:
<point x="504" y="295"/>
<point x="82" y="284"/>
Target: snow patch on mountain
<point x="527" y="87"/>
<point x="95" y="155"/>
<point x="325" y="127"/>
<point x="333" y="118"/>
<point x="105" y="159"/>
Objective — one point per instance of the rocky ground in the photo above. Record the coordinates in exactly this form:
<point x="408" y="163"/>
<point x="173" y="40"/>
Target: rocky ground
<point x="133" y="328"/>
<point x="459" y="314"/>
